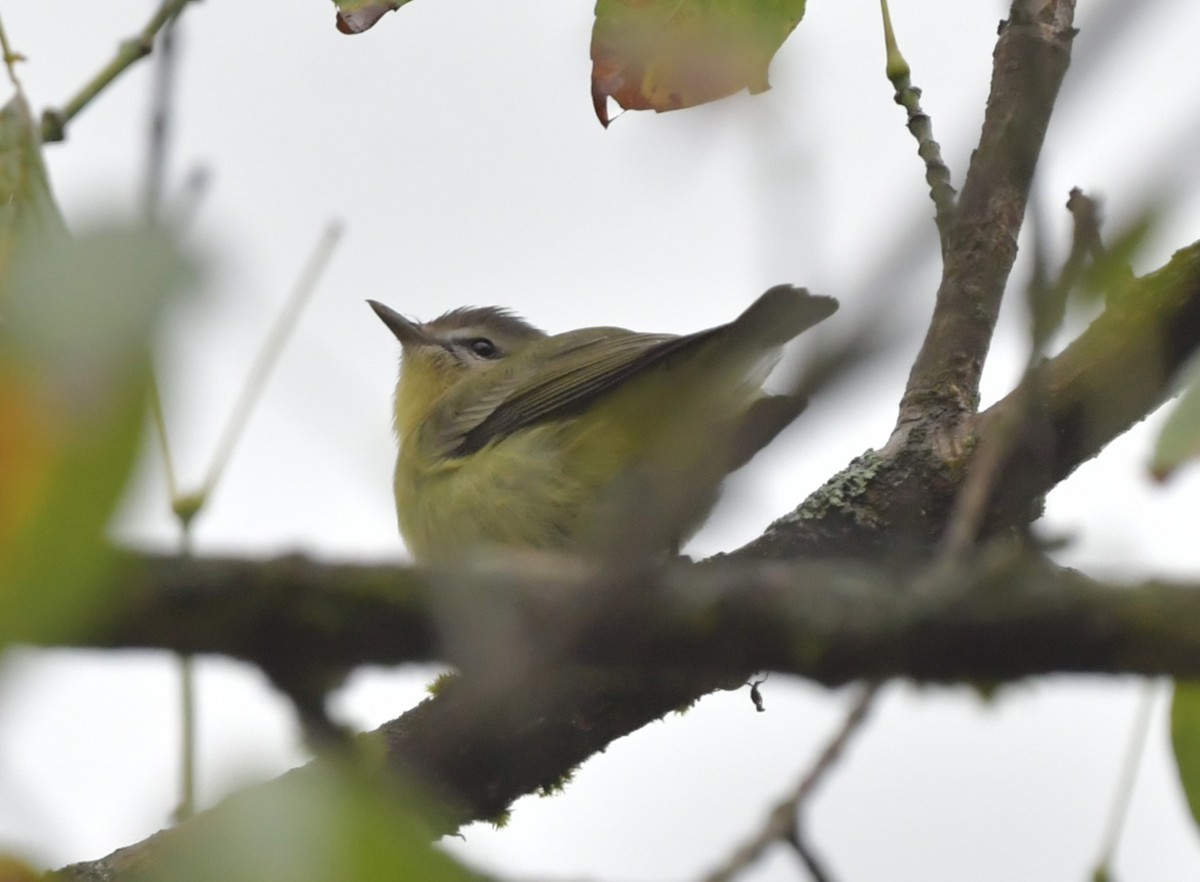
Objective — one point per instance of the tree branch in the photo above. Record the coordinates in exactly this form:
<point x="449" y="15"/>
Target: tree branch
<point x="1030" y="60"/>
<point x="895" y="503"/>
<point x="520" y="725"/>
<point x="1004" y="615"/>
<point x="1117" y="372"/>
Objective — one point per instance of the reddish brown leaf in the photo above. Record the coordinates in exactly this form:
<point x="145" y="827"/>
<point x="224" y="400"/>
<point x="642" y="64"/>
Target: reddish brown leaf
<point x="356" y="16"/>
<point x="667" y="54"/>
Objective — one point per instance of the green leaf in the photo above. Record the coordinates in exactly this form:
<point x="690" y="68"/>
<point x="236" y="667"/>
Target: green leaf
<point x="1179" y="440"/>
<point x="74" y="380"/>
<point x="1185" y="740"/>
<point x="316" y="824"/>
<point x="27" y="206"/>
<point x="668" y="54"/>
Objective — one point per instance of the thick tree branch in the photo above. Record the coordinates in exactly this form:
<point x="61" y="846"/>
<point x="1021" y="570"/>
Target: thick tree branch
<point x="629" y="651"/>
<point x="896" y="502"/>
<point x="1005" y="615"/>
<point x="1030" y="60"/>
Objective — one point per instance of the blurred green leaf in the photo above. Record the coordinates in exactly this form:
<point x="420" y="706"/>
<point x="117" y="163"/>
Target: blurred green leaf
<point x="1179" y="440"/>
<point x="316" y="824"/>
<point x="74" y="382"/>
<point x="668" y="54"/>
<point x="27" y="206"/>
<point x="1111" y="274"/>
<point x="1185" y="740"/>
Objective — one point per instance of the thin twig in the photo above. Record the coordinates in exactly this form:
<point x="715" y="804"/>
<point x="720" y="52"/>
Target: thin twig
<point x="1134" y="751"/>
<point x="1046" y="306"/>
<point x="1048" y="303"/>
<point x="808" y="857"/>
<point x="186" y="807"/>
<point x="160" y="114"/>
<point x="10" y="59"/>
<point x="268" y="355"/>
<point x="54" y="122"/>
<point x="160" y="432"/>
<point x="908" y="96"/>
<point x="160" y="119"/>
<point x="781" y="823"/>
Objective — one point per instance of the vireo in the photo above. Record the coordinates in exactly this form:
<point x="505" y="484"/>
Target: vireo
<point x="600" y="441"/>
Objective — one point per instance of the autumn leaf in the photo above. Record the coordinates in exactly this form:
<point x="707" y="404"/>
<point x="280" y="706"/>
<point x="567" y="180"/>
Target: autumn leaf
<point x="669" y="54"/>
<point x="356" y="16"/>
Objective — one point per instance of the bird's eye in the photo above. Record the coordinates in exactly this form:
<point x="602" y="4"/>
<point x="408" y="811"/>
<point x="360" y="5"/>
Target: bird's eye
<point x="483" y="347"/>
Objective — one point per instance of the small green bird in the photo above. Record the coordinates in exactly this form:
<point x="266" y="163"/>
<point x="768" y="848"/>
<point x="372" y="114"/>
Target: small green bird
<point x="600" y="441"/>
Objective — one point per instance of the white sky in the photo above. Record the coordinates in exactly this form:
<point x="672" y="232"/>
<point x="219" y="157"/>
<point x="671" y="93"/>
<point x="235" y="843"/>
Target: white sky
<point x="457" y="143"/>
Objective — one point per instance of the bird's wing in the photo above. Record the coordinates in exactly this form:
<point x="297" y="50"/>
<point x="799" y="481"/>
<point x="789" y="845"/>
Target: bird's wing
<point x="587" y="364"/>
<point x="591" y="362"/>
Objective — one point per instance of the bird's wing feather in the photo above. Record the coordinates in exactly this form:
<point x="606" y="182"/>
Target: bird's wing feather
<point x="583" y="369"/>
<point x="594" y="361"/>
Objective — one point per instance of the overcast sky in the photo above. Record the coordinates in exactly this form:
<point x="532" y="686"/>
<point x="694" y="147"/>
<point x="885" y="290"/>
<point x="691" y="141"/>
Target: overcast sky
<point x="456" y="142"/>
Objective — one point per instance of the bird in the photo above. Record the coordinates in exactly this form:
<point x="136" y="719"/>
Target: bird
<point x="601" y="441"/>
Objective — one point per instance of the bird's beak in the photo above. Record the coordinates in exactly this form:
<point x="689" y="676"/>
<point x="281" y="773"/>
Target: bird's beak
<point x="407" y="332"/>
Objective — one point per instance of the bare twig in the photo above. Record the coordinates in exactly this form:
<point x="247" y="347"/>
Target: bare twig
<point x="10" y="59"/>
<point x="804" y="851"/>
<point x="268" y="355"/>
<point x="54" y="122"/>
<point x="908" y="96"/>
<point x="1134" y="751"/>
<point x="1107" y="379"/>
<point x="160" y="114"/>
<point x="1046" y="306"/>
<point x="1048" y="301"/>
<point x="160" y="117"/>
<point x="782" y="824"/>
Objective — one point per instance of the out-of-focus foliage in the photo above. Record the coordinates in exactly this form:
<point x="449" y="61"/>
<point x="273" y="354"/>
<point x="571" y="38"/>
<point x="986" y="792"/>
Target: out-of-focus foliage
<point x="13" y="869"/>
<point x="1185" y="739"/>
<point x="668" y="54"/>
<point x="1179" y="440"/>
<point x="314" y="825"/>
<point x="75" y="322"/>
<point x="27" y="207"/>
